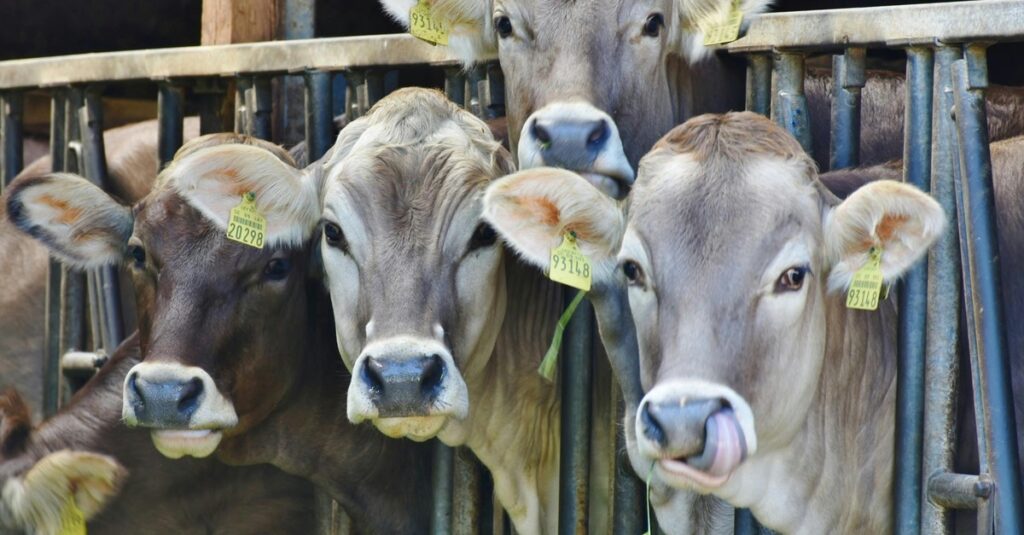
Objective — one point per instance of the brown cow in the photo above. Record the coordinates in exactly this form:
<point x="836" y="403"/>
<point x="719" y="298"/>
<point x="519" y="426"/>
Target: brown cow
<point x="238" y="350"/>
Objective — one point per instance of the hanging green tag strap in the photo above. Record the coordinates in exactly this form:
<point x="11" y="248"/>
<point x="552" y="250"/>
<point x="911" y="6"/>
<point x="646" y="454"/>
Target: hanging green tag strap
<point x="547" y="366"/>
<point x="648" y="495"/>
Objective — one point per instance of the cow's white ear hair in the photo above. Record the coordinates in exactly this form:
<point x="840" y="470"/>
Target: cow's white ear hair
<point x="37" y="501"/>
<point x="899" y="218"/>
<point x="80" y="223"/>
<point x="533" y="210"/>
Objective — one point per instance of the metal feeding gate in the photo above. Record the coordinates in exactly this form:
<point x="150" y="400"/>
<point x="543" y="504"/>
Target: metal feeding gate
<point x="945" y="152"/>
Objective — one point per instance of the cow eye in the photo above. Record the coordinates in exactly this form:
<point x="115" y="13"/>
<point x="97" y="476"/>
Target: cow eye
<point x="483" y="236"/>
<point x="653" y="25"/>
<point x="277" y="269"/>
<point x="792" y="279"/>
<point x="335" y="237"/>
<point x="634" y="274"/>
<point x="137" y="254"/>
<point x="503" y="25"/>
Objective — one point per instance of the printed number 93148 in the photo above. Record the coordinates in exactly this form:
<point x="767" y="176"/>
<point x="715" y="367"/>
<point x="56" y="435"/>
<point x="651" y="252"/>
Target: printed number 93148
<point x="568" y="264"/>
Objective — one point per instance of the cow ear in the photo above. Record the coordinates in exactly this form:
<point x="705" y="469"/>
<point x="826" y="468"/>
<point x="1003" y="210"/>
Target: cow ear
<point x="534" y="209"/>
<point x="697" y="16"/>
<point x="38" y="502"/>
<point x="80" y="223"/>
<point x="470" y="29"/>
<point x="15" y="423"/>
<point x="216" y="179"/>
<point x="898" y="218"/>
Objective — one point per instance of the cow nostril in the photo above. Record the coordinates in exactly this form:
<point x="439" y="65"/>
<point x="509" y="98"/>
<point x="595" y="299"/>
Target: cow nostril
<point x="190" y="394"/>
<point x="433" y="373"/>
<point x="540" y="133"/>
<point x="371" y="375"/>
<point x="133" y="389"/>
<point x="652" y="428"/>
<point x="599" y="134"/>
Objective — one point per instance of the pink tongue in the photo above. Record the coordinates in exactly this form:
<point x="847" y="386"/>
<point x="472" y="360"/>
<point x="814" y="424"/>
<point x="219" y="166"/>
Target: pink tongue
<point x="729" y="451"/>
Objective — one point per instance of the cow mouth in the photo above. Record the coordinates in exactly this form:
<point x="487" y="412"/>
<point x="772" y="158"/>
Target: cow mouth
<point x="724" y="449"/>
<point x="416" y="428"/>
<point x="613" y="185"/>
<point x="177" y="443"/>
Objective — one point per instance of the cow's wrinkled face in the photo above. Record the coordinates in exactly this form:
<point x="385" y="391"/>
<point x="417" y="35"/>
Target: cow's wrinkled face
<point x="416" y="277"/>
<point x="218" y="323"/>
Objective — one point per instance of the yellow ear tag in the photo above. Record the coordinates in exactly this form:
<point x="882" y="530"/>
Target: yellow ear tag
<point x="726" y="31"/>
<point x="866" y="287"/>
<point x="424" y="26"/>
<point x="568" y="264"/>
<point x="72" y="521"/>
<point x="245" y="224"/>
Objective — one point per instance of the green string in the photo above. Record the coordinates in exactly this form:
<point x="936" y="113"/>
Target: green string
<point x="547" y="366"/>
<point x="648" y="495"/>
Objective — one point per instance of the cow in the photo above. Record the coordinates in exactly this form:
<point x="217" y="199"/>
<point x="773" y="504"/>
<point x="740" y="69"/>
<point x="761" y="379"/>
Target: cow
<point x="590" y="86"/>
<point x="120" y="483"/>
<point x="733" y="198"/>
<point x="132" y="165"/>
<point x="237" y="345"/>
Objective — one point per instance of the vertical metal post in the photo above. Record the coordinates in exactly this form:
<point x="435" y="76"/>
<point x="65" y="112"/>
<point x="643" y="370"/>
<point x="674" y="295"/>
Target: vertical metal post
<point x="575" y="378"/>
<point x="943" y="332"/>
<point x="73" y="282"/>
<point x="91" y="118"/>
<point x="441" y="522"/>
<point x="847" y="81"/>
<point x="759" y="83"/>
<point x="789" y="108"/>
<point x="913" y="301"/>
<point x="353" y="82"/>
<point x="970" y="77"/>
<point x="370" y="90"/>
<point x="243" y="84"/>
<point x="495" y="91"/>
<point x="51" y="366"/>
<point x="209" y="96"/>
<point x="455" y="85"/>
<point x="319" y="122"/>
<point x="466" y="497"/>
<point x="13" y="154"/>
<point x="259" y="104"/>
<point x="171" y="117"/>
<point x="298" y="19"/>
<point x="475" y="79"/>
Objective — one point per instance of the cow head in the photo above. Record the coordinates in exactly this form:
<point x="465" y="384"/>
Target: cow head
<point x="415" y="275"/>
<point x="735" y="258"/>
<point x="590" y="85"/>
<point x="218" y="320"/>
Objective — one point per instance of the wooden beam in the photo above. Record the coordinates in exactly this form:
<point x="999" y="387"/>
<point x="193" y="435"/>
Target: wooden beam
<point x="238" y="21"/>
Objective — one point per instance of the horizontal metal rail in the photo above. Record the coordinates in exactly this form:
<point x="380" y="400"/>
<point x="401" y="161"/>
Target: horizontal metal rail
<point x="271" y="57"/>
<point x="890" y="26"/>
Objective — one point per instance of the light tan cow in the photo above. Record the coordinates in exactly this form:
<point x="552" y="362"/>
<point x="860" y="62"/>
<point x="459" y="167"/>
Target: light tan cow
<point x="760" y="386"/>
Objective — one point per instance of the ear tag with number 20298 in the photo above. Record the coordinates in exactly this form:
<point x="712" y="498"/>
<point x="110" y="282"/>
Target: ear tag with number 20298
<point x="866" y="286"/>
<point x="423" y="25"/>
<point x="245" y="224"/>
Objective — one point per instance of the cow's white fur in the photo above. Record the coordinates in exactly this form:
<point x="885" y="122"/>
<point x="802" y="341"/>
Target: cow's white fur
<point x="215" y="413"/>
<point x="37" y="501"/>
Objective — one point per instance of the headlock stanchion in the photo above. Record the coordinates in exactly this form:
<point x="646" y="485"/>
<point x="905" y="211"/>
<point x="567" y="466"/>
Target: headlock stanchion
<point x="13" y="103"/>
<point x="847" y="81"/>
<point x="789" y="108"/>
<point x="759" y="83"/>
<point x="171" y="118"/>
<point x="54" y="270"/>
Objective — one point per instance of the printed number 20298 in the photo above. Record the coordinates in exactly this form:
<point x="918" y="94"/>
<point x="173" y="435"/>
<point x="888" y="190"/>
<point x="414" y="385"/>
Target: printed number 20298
<point x="245" y="235"/>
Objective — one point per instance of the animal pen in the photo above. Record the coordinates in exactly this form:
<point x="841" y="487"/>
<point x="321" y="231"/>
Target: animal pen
<point x="945" y="152"/>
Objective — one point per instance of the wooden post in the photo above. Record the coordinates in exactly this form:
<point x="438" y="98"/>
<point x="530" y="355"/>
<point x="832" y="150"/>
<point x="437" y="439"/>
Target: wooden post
<point x="238" y="21"/>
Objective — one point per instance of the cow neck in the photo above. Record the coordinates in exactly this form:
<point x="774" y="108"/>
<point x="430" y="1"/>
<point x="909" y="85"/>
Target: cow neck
<point x="513" y="425"/>
<point x="839" y="466"/>
<point x="309" y="435"/>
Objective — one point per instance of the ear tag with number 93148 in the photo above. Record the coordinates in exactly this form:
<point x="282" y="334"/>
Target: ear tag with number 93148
<point x="425" y="26"/>
<point x="245" y="224"/>
<point x="569" y="265"/>
<point x="866" y="286"/>
<point x="725" y="31"/>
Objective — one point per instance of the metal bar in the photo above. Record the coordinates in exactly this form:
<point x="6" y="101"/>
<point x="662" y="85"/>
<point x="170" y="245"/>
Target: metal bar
<point x="759" y="83"/>
<point x="495" y="92"/>
<point x="969" y="80"/>
<point x="475" y="79"/>
<point x="73" y="282"/>
<point x="13" y="136"/>
<point x="897" y="25"/>
<point x="370" y="90"/>
<point x="242" y="123"/>
<point x="575" y="377"/>
<point x="51" y="364"/>
<point x="466" y="497"/>
<point x="171" y="117"/>
<point x="629" y="501"/>
<point x="789" y="109"/>
<point x="941" y="363"/>
<point x="913" y="305"/>
<point x="319" y="119"/>
<point x="455" y="85"/>
<point x="958" y="491"/>
<point x="259" y="104"/>
<point x="91" y="118"/>
<point x="209" y="96"/>
<point x="441" y="521"/>
<point x="847" y="81"/>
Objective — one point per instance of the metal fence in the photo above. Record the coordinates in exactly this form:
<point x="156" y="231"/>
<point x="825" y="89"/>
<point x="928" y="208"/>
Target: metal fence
<point x="945" y="153"/>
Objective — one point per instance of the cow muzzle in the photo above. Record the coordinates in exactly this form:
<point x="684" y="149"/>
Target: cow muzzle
<point x="698" y="433"/>
<point x="408" y="387"/>
<point x="581" y="138"/>
<point x="182" y="406"/>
